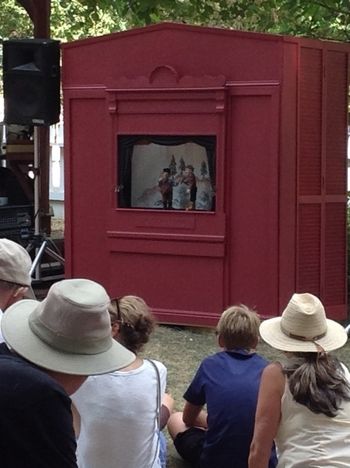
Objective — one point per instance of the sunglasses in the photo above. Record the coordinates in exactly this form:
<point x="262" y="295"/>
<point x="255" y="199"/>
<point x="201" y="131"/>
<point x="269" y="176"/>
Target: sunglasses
<point x="119" y="319"/>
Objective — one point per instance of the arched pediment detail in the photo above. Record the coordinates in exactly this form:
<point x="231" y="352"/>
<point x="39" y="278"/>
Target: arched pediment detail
<point x="166" y="76"/>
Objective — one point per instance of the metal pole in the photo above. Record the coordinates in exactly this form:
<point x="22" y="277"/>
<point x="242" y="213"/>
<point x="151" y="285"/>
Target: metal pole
<point x="36" y="181"/>
<point x="36" y="261"/>
<point x="36" y="265"/>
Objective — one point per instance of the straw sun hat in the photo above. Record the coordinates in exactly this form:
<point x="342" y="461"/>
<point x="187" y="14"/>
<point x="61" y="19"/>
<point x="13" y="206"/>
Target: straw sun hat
<point x="68" y="332"/>
<point x="302" y="326"/>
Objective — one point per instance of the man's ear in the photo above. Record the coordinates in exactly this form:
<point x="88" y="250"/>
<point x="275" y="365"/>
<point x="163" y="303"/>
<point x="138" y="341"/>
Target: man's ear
<point x="20" y="292"/>
<point x="255" y="344"/>
<point x="115" y="329"/>
<point x="220" y="341"/>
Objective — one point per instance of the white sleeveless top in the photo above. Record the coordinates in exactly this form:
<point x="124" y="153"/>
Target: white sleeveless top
<point x="119" y="426"/>
<point x="309" y="440"/>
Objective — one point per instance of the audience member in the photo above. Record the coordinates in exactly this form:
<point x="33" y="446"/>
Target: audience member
<point x="52" y="346"/>
<point x="15" y="279"/>
<point x="227" y="383"/>
<point x="122" y="413"/>
<point x="304" y="403"/>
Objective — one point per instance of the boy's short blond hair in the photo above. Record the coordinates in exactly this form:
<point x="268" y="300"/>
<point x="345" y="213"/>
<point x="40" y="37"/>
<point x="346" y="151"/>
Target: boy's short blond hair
<point x="238" y="327"/>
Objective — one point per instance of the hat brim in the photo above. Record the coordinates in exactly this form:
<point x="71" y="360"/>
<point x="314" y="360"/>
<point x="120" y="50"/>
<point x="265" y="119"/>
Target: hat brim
<point x="19" y="336"/>
<point x="270" y="331"/>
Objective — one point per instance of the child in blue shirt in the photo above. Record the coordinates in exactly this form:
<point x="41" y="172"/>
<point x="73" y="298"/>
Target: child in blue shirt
<point x="227" y="383"/>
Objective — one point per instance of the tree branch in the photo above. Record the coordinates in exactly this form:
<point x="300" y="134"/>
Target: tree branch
<point x="332" y="9"/>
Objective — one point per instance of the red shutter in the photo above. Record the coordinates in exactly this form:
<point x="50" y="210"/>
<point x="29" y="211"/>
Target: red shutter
<point x="321" y="188"/>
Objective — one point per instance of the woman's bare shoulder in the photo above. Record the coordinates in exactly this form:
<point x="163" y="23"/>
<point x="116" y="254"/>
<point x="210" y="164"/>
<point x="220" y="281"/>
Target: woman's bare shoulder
<point x="273" y="376"/>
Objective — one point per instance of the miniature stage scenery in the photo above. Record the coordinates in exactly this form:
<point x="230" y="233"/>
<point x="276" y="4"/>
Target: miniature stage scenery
<point x="171" y="171"/>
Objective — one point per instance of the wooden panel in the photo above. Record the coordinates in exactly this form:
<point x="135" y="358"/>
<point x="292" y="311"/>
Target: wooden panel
<point x="310" y="122"/>
<point x="336" y="122"/>
<point x="321" y="255"/>
<point x="309" y="251"/>
<point x="335" y="254"/>
<point x="189" y="50"/>
<point x="288" y="176"/>
<point x="252" y="199"/>
<point x="171" y="285"/>
<point x="173" y="244"/>
<point x="86" y="196"/>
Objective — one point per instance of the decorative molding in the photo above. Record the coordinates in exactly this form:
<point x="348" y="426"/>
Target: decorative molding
<point x="165" y="76"/>
<point x="220" y="102"/>
<point x="112" y="103"/>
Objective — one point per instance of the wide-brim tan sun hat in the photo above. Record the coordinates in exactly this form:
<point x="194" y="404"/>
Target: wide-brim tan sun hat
<point x="15" y="263"/>
<point x="67" y="332"/>
<point x="303" y="327"/>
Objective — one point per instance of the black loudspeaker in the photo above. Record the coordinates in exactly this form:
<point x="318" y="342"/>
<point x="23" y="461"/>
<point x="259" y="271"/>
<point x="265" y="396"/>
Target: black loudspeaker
<point x="31" y="75"/>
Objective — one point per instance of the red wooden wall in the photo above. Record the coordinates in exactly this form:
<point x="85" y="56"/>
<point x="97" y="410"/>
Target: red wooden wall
<point x="277" y="107"/>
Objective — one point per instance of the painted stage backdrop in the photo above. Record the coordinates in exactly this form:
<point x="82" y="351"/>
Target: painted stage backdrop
<point x="148" y="163"/>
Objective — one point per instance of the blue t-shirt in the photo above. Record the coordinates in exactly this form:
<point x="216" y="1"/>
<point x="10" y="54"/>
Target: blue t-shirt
<point x="228" y="383"/>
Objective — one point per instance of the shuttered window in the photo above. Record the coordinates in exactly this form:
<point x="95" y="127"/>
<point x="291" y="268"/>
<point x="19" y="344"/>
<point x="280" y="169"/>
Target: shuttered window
<point x="321" y="187"/>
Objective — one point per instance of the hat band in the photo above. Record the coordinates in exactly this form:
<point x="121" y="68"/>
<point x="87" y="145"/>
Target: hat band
<point x="68" y="345"/>
<point x="302" y="338"/>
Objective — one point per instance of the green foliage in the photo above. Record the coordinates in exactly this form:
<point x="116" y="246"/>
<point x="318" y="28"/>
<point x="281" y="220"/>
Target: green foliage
<point x="324" y="19"/>
<point x="14" y="20"/>
<point x="73" y="19"/>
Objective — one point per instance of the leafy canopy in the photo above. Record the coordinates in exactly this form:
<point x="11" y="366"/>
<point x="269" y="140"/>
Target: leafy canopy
<point x="73" y="19"/>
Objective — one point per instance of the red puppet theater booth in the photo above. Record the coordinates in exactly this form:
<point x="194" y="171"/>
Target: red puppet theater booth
<point x="207" y="167"/>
